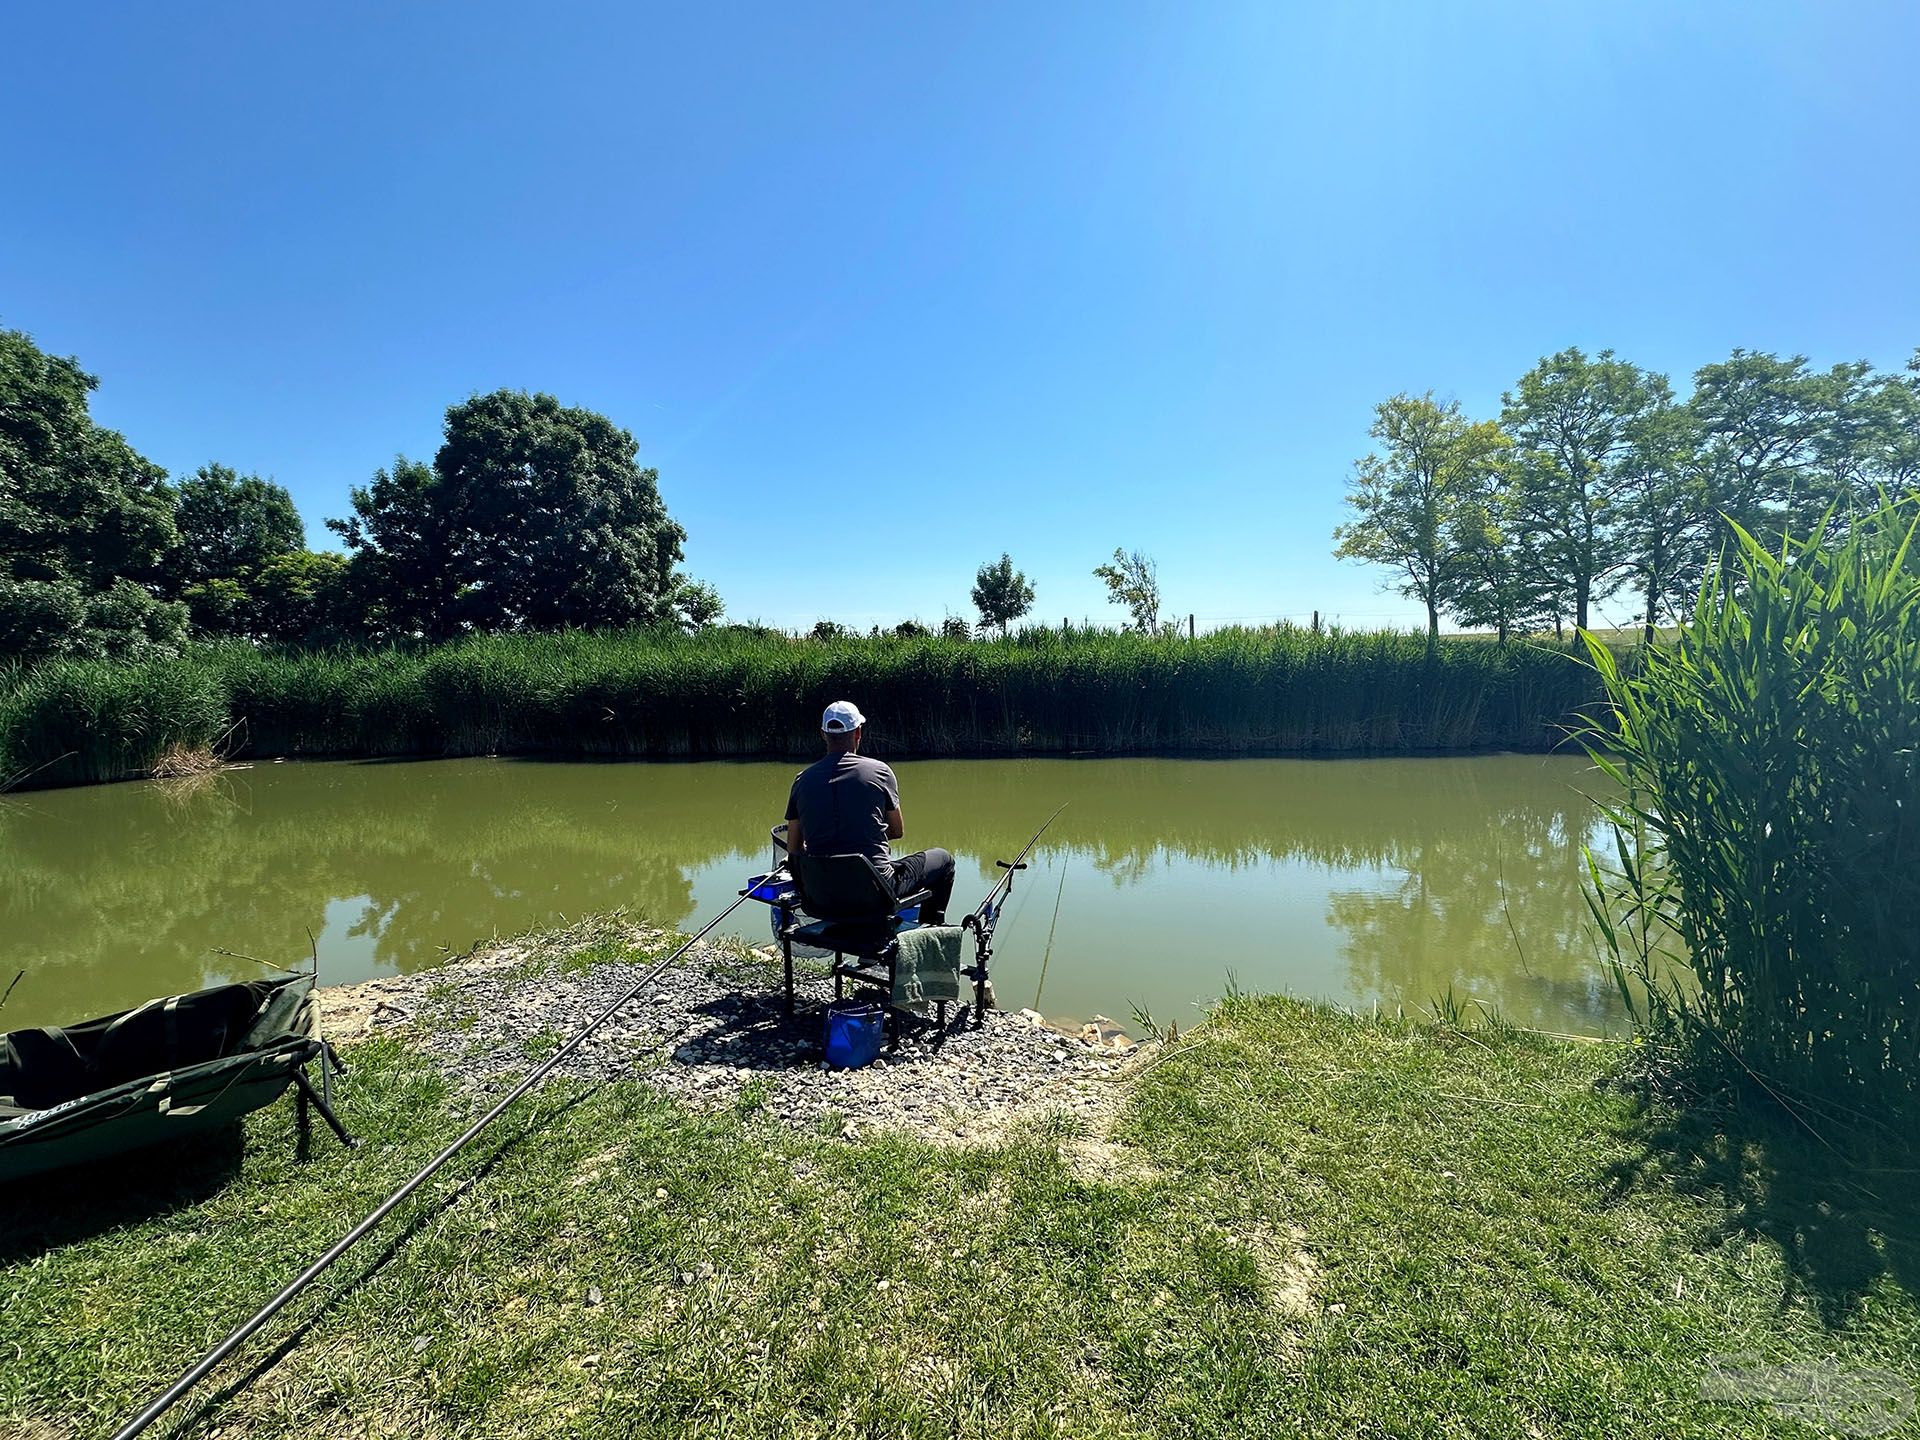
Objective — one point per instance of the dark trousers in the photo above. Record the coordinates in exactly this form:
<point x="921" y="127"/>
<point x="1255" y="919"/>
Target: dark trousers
<point x="930" y="870"/>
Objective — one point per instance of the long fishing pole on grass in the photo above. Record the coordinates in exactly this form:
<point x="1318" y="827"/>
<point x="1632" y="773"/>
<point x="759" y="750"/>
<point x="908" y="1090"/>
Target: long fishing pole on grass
<point x="386" y="1207"/>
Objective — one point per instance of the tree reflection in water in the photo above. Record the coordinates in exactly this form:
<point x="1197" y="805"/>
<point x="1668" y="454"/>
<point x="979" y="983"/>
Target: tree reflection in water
<point x="1350" y="880"/>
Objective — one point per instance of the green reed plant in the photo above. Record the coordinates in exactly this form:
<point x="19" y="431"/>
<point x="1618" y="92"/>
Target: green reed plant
<point x="1763" y="910"/>
<point x="745" y="693"/>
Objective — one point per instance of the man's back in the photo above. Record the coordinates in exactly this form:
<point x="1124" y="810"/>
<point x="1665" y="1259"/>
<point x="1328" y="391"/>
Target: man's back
<point x="842" y="801"/>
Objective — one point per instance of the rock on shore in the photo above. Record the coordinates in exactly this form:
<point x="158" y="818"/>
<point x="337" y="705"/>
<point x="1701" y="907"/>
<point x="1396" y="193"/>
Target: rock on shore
<point x="711" y="1032"/>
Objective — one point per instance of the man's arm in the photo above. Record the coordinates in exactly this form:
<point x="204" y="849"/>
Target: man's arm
<point x="896" y="826"/>
<point x="794" y="838"/>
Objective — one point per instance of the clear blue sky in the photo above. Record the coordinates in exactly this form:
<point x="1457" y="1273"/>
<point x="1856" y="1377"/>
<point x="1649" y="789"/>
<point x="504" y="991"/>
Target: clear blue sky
<point x="1050" y="278"/>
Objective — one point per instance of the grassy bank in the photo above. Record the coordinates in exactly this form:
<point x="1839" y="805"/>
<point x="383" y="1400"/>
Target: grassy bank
<point x="726" y="693"/>
<point x="1300" y="1222"/>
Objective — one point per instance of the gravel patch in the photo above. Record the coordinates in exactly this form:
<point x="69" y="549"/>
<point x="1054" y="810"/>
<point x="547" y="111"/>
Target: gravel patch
<point x="710" y="1032"/>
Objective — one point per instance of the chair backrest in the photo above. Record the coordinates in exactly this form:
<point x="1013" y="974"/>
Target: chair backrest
<point x="843" y="887"/>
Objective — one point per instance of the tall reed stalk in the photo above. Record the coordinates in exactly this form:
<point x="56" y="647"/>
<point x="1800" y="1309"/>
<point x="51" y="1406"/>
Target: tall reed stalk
<point x="1764" y="908"/>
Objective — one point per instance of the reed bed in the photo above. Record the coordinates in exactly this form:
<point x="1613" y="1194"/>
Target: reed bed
<point x="1770" y="769"/>
<point x="738" y="693"/>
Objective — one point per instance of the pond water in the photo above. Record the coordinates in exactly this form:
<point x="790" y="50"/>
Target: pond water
<point x="1359" y="881"/>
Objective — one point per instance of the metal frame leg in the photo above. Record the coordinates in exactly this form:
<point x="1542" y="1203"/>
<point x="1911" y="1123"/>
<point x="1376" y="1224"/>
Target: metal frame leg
<point x="312" y="1097"/>
<point x="786" y="950"/>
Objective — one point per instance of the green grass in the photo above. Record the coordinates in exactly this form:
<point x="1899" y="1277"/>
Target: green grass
<point x="1302" y="1222"/>
<point x="728" y="693"/>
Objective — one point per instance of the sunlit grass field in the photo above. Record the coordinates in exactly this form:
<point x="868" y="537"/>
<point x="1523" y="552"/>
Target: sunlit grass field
<point x="1298" y="1222"/>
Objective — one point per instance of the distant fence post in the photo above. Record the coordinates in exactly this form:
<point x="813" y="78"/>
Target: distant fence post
<point x="1316" y="622"/>
<point x="1190" y="634"/>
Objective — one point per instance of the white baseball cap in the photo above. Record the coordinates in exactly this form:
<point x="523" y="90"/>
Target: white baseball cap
<point x="842" y="717"/>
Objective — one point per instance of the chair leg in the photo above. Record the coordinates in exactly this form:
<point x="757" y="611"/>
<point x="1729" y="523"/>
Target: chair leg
<point x="786" y="950"/>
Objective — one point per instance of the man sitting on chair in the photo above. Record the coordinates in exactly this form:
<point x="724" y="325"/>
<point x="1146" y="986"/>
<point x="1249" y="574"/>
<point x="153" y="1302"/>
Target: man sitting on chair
<point x="846" y="803"/>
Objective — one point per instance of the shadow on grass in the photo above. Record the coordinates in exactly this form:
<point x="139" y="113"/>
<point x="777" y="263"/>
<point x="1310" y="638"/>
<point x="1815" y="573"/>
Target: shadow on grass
<point x="45" y="1212"/>
<point x="1842" y="1207"/>
<point x="358" y="1273"/>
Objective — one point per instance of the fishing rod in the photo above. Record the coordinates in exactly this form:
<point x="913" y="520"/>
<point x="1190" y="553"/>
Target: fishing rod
<point x="988" y="908"/>
<point x="386" y="1207"/>
<point x="986" y="914"/>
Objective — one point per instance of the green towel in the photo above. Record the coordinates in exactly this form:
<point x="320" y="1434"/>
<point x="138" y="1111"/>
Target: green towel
<point x="927" y="967"/>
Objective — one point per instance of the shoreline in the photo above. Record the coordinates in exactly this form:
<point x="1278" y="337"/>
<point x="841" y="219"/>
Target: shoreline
<point x="204" y="769"/>
<point x="709" y="1032"/>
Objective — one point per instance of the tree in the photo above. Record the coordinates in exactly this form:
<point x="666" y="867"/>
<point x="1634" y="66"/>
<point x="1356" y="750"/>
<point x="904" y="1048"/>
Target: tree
<point x="1759" y="417"/>
<point x="405" y="537"/>
<point x="1133" y="580"/>
<point x="1663" y="491"/>
<point x="1497" y="579"/>
<point x="696" y="603"/>
<point x="219" y="606"/>
<point x="1895" y="440"/>
<point x="231" y="525"/>
<point x="1572" y="420"/>
<point x="1408" y="498"/>
<point x="564" y="529"/>
<point x="1001" y="593"/>
<point x="955" y="627"/>
<point x="84" y="520"/>
<point x="305" y="595"/>
<point x="533" y="516"/>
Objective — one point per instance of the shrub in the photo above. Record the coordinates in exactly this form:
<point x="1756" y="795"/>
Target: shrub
<point x="1763" y="911"/>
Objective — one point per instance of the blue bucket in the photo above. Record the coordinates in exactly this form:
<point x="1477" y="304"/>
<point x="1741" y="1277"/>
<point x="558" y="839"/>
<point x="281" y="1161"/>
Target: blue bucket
<point x="854" y="1033"/>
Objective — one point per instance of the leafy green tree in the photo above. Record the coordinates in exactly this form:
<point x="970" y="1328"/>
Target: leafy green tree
<point x="1760" y="417"/>
<point x="1410" y="496"/>
<point x="219" y="605"/>
<point x="1133" y="580"/>
<point x="955" y="627"/>
<point x="405" y="540"/>
<point x="533" y="516"/>
<point x="1663" y="492"/>
<point x="304" y="595"/>
<point x="1572" y="419"/>
<point x="1894" y="442"/>
<point x="1001" y="593"/>
<point x="563" y="528"/>
<point x="696" y="603"/>
<point x="84" y="520"/>
<point x="1497" y="575"/>
<point x="231" y="525"/>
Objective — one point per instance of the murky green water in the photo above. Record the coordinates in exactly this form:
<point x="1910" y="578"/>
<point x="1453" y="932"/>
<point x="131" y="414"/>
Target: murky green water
<point x="1349" y="880"/>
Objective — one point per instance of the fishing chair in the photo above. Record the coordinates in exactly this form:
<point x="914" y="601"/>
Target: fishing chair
<point x="855" y="914"/>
